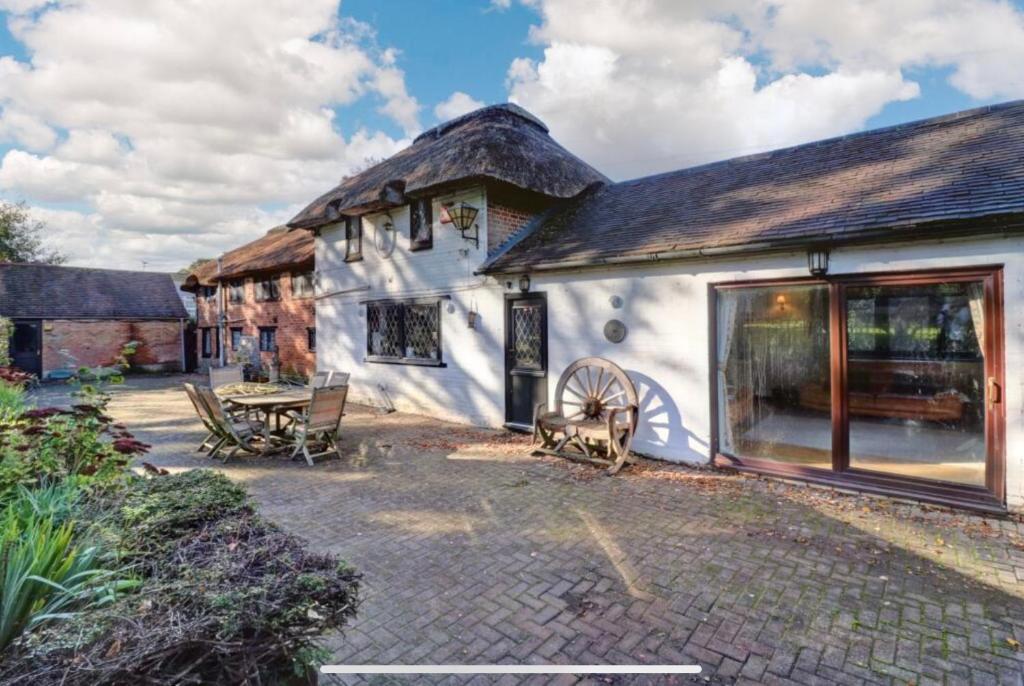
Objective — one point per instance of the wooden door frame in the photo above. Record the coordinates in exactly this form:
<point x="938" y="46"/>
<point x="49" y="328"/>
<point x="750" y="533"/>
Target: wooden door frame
<point x="510" y="298"/>
<point x="39" y="342"/>
<point x="990" y="498"/>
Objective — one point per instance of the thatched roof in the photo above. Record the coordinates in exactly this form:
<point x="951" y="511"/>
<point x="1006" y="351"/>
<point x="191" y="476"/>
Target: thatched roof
<point x="501" y="142"/>
<point x="278" y="250"/>
<point x="46" y="291"/>
<point x="959" y="174"/>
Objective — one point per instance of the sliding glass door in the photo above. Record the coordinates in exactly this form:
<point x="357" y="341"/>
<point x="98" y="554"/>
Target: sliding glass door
<point x="890" y="381"/>
<point x="916" y="380"/>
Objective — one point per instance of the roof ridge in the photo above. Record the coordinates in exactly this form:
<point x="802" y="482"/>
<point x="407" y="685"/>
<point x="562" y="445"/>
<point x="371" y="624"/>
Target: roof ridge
<point x="917" y="123"/>
<point x="504" y="107"/>
<point x="85" y="269"/>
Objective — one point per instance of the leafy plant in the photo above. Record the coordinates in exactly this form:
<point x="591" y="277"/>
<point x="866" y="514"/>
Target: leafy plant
<point x="45" y="575"/>
<point x="50" y="444"/>
<point x="229" y="597"/>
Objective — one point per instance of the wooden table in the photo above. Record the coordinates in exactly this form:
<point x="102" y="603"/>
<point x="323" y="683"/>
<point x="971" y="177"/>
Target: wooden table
<point x="273" y="403"/>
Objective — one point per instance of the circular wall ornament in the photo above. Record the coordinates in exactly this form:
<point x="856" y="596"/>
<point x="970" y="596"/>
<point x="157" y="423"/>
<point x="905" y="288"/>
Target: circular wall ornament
<point x="615" y="331"/>
<point x="384" y="238"/>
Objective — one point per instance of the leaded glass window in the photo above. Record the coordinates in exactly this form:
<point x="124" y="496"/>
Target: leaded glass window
<point x="404" y="331"/>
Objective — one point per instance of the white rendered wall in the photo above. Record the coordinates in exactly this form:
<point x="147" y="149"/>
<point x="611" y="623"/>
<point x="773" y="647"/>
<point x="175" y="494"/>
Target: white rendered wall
<point x="666" y="352"/>
<point x="470" y="388"/>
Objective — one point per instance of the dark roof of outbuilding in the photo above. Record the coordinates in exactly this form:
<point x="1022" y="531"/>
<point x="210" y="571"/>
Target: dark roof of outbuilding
<point x="44" y="291"/>
<point x="955" y="174"/>
<point x="501" y="142"/>
<point x="276" y="250"/>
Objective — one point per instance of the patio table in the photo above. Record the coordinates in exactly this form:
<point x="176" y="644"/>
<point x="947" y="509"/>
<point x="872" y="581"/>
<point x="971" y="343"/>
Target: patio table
<point x="274" y="403"/>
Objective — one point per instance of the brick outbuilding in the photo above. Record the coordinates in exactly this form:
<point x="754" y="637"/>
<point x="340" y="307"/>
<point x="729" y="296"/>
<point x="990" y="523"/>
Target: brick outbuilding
<point x="68" y="317"/>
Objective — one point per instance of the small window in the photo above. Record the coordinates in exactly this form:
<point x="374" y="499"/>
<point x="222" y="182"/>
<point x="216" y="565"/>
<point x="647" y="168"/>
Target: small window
<point x="303" y="285"/>
<point x="236" y="292"/>
<point x="268" y="289"/>
<point x="353" y="239"/>
<point x="268" y="339"/>
<point x="236" y="338"/>
<point x="404" y="332"/>
<point x="311" y="338"/>
<point x="421" y="225"/>
<point x="210" y="343"/>
<point x="208" y="292"/>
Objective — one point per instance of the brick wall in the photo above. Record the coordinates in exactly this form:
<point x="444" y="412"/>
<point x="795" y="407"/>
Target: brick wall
<point x="509" y="210"/>
<point x="290" y="315"/>
<point x="98" y="342"/>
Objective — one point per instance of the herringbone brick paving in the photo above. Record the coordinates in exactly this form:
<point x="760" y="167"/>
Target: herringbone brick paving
<point x="475" y="552"/>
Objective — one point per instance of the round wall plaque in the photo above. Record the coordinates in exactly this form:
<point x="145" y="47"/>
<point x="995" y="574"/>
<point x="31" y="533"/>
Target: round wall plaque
<point x="615" y="331"/>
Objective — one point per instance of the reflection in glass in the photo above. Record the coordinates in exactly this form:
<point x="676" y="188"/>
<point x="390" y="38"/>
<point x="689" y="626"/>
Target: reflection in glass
<point x="916" y="380"/>
<point x="773" y="374"/>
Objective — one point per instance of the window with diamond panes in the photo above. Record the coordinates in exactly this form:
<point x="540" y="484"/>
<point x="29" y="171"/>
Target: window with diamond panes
<point x="383" y="330"/>
<point x="526" y="327"/>
<point x="404" y="331"/>
<point x="422" y="333"/>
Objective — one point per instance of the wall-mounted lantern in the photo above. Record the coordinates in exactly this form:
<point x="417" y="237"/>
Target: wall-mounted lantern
<point x="524" y="283"/>
<point x="817" y="261"/>
<point x="463" y="218"/>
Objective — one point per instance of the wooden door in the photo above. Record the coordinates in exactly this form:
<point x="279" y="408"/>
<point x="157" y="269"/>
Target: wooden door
<point x="526" y="358"/>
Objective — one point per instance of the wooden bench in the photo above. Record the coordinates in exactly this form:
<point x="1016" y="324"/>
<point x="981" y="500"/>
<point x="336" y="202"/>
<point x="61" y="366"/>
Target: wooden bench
<point x="594" y="418"/>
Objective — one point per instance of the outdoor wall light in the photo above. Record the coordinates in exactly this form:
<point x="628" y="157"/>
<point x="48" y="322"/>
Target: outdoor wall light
<point x="463" y="218"/>
<point x="817" y="261"/>
<point x="524" y="283"/>
<point x="780" y="300"/>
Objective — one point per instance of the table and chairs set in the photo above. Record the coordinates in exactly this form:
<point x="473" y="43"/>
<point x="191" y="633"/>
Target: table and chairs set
<point x="264" y="419"/>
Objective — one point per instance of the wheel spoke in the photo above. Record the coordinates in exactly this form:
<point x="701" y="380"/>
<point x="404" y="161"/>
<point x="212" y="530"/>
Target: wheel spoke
<point x="612" y="397"/>
<point x="582" y="396"/>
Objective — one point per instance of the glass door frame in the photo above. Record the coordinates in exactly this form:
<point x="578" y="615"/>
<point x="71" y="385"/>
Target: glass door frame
<point x="990" y="498"/>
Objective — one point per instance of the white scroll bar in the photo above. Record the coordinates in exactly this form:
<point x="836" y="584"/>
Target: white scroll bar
<point x="510" y="669"/>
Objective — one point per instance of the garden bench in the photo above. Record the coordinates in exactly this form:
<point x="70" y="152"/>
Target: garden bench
<point x="594" y="418"/>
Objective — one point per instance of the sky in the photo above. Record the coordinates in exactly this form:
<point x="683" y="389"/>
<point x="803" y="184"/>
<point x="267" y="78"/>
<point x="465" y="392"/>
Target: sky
<point x="149" y="134"/>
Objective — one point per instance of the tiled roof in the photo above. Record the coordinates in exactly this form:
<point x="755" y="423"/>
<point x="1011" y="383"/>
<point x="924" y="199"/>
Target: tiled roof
<point x="502" y="143"/>
<point x="43" y="291"/>
<point x="957" y="173"/>
<point x="277" y="250"/>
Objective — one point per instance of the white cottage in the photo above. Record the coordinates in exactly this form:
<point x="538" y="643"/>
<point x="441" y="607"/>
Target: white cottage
<point x="845" y="312"/>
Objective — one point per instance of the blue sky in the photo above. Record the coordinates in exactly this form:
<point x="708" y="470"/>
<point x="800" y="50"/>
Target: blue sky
<point x="166" y="132"/>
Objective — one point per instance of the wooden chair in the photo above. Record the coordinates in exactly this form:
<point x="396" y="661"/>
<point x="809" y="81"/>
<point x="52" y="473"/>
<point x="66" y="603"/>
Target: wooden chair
<point x="222" y="376"/>
<point x="329" y="378"/>
<point x="240" y="434"/>
<point x="594" y="418"/>
<point x="213" y="441"/>
<point x="320" y="422"/>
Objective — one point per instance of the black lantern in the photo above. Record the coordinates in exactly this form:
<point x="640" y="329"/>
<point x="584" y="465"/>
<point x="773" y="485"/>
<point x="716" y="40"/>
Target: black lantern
<point x="817" y="261"/>
<point x="463" y="218"/>
<point x="524" y="283"/>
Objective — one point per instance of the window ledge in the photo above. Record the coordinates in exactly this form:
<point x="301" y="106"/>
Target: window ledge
<point x="411" y="361"/>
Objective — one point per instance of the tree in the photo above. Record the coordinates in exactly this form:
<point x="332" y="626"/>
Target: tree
<point x="21" y="237"/>
<point x="196" y="264"/>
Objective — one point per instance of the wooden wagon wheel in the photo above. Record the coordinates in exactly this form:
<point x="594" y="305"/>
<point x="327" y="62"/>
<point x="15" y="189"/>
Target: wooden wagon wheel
<point x="592" y="387"/>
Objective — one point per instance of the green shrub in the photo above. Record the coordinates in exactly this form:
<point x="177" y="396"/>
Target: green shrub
<point x="51" y="444"/>
<point x="45" y="574"/>
<point x="12" y="402"/>
<point x="227" y="596"/>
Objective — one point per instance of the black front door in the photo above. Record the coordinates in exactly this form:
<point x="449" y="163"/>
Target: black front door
<point x="27" y="346"/>
<point x="526" y="357"/>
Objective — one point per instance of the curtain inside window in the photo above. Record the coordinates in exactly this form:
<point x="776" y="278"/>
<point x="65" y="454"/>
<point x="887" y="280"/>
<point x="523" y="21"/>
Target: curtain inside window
<point x="728" y="303"/>
<point x="976" y="296"/>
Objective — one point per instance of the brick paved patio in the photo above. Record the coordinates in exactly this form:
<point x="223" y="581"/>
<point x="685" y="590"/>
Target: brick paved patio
<point x="474" y="552"/>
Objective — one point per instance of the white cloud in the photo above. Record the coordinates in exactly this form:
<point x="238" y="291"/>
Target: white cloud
<point x="161" y="118"/>
<point x="457" y="104"/>
<point x="646" y="86"/>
